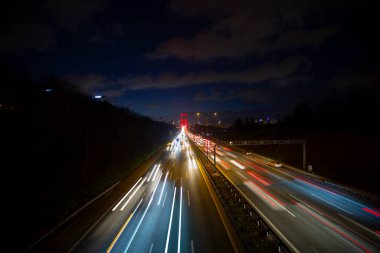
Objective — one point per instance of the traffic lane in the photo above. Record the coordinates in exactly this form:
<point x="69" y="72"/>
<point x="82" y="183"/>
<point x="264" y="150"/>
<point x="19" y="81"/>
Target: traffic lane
<point x="356" y="214"/>
<point x="104" y="232"/>
<point x="145" y="230"/>
<point x="317" y="192"/>
<point x="202" y="218"/>
<point x="228" y="156"/>
<point x="302" y="229"/>
<point x="149" y="231"/>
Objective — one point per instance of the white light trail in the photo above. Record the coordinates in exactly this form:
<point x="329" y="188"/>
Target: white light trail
<point x="126" y="195"/>
<point x="163" y="187"/>
<point x="156" y="172"/>
<point x="133" y="194"/>
<point x="194" y="163"/>
<point x="170" y="222"/>
<point x="238" y="164"/>
<point x="152" y="172"/>
<point x="189" y="162"/>
<point x="142" y="218"/>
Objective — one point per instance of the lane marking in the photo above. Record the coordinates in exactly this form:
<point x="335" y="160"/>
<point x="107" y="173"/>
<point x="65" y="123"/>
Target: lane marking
<point x="143" y="216"/>
<point x="188" y="197"/>
<point x="303" y="203"/>
<point x="163" y="202"/>
<point x="126" y="195"/>
<point x="289" y="211"/>
<point x="192" y="246"/>
<point x="170" y="222"/>
<point x="180" y="223"/>
<point x="151" y="247"/>
<point x="122" y="228"/>
<point x="314" y="249"/>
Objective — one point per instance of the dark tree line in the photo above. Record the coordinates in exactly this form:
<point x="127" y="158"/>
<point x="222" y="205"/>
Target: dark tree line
<point x="62" y="147"/>
<point x="354" y="113"/>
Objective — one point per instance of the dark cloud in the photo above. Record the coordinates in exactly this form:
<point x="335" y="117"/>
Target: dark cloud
<point x="29" y="26"/>
<point x="244" y="28"/>
<point x="264" y="72"/>
<point x="25" y="37"/>
<point x="108" y="34"/>
<point x="74" y="14"/>
<point x="214" y="95"/>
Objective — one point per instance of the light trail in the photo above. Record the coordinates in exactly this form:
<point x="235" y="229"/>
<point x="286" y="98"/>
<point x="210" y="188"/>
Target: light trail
<point x="155" y="166"/>
<point x="331" y="203"/>
<point x="142" y="218"/>
<point x="133" y="194"/>
<point x="238" y="164"/>
<point x="113" y="209"/>
<point x="258" y="178"/>
<point x="331" y="226"/>
<point x="163" y="187"/>
<point x="158" y="167"/>
<point x="170" y="222"/>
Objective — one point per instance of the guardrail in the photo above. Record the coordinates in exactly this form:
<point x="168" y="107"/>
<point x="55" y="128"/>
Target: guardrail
<point x="257" y="232"/>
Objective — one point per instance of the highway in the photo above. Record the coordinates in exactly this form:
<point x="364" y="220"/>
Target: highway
<point x="307" y="213"/>
<point x="169" y="209"/>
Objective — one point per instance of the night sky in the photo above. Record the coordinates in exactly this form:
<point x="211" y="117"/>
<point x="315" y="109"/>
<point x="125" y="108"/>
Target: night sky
<point x="162" y="57"/>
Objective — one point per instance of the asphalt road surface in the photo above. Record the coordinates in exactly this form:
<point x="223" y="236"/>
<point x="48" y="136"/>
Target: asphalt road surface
<point x="167" y="210"/>
<point x="309" y="214"/>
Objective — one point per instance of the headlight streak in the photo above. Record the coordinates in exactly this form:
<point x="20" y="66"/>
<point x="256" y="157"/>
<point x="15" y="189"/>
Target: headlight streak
<point x="123" y="227"/>
<point x="189" y="162"/>
<point x="256" y="189"/>
<point x="133" y="194"/>
<point x="163" y="187"/>
<point x="155" y="166"/>
<point x="113" y="209"/>
<point x="238" y="164"/>
<point x="170" y="222"/>
<point x="143" y="216"/>
<point x="195" y="166"/>
<point x="158" y="167"/>
<point x="237" y="172"/>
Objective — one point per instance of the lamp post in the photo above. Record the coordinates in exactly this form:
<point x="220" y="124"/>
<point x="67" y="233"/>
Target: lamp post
<point x="207" y="139"/>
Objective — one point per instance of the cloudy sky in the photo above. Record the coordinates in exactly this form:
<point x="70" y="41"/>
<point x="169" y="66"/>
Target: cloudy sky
<point x="166" y="56"/>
